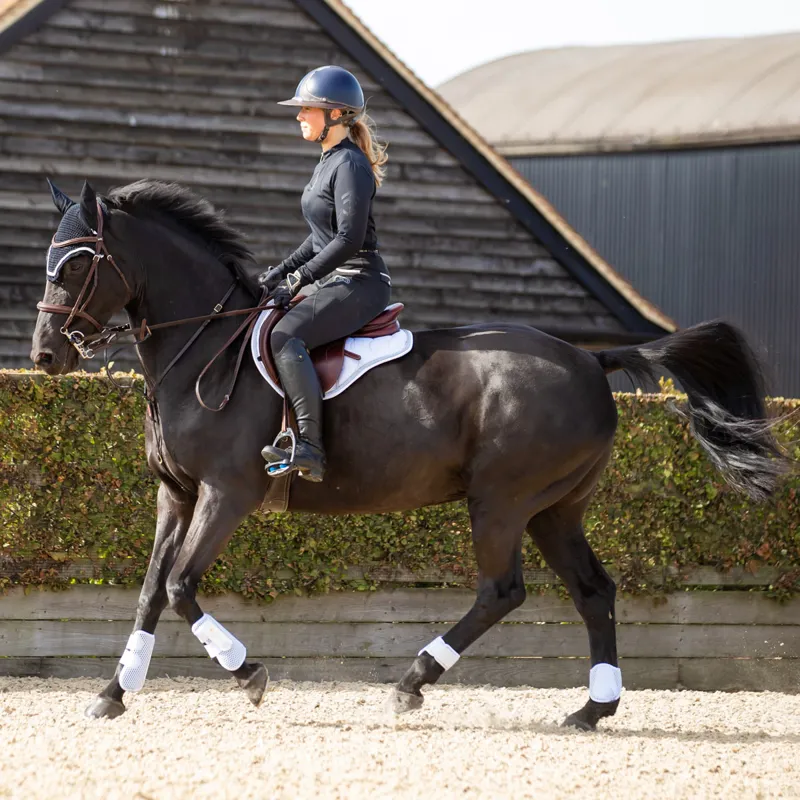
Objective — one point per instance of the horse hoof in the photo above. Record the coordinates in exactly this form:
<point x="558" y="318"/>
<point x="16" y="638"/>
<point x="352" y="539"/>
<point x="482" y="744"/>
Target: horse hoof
<point x="587" y="718"/>
<point x="256" y="685"/>
<point x="401" y="702"/>
<point x="576" y="721"/>
<point x="104" y="708"/>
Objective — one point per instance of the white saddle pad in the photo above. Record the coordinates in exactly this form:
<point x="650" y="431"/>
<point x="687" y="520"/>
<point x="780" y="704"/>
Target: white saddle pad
<point x="373" y="352"/>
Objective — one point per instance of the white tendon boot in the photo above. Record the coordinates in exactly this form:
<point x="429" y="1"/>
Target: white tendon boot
<point x="443" y="654"/>
<point x="136" y="660"/>
<point x="219" y="643"/>
<point x="605" y="683"/>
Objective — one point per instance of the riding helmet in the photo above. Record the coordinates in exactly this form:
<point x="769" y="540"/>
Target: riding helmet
<point x="328" y="88"/>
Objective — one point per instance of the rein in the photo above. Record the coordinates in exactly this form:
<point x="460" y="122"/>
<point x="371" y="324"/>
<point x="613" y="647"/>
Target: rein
<point x="88" y="346"/>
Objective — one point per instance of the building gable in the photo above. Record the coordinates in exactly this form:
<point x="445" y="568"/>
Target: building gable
<point x="186" y="91"/>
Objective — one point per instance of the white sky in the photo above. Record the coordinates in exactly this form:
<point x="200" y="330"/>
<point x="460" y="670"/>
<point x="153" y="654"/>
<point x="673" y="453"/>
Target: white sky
<point x="439" y="39"/>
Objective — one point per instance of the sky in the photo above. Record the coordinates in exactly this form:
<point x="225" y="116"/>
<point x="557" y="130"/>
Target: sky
<point x="439" y="39"/>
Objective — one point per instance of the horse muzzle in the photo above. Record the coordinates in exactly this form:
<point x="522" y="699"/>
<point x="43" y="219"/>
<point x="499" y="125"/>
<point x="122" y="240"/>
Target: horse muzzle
<point x="47" y="360"/>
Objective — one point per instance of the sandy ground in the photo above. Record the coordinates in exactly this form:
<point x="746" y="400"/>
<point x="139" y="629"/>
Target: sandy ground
<point x="194" y="738"/>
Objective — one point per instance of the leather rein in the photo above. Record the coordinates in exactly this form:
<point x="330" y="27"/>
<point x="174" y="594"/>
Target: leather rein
<point x="106" y="336"/>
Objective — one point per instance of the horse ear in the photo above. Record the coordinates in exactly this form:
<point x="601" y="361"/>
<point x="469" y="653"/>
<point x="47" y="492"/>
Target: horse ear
<point x="89" y="205"/>
<point x="61" y="201"/>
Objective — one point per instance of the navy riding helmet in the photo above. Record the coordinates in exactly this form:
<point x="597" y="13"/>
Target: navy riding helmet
<point x="328" y="88"/>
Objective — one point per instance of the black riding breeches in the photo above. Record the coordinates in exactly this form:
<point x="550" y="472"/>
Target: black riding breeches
<point x="334" y="307"/>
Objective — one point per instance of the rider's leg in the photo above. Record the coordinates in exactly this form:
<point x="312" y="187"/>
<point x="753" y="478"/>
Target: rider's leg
<point x="339" y="306"/>
<point x="301" y="384"/>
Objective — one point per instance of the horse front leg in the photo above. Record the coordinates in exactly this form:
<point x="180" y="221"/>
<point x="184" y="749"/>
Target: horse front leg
<point x="216" y="517"/>
<point x="175" y="509"/>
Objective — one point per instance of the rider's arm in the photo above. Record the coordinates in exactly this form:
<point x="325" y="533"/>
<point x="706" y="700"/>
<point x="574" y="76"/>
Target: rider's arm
<point x="300" y="256"/>
<point x="353" y="189"/>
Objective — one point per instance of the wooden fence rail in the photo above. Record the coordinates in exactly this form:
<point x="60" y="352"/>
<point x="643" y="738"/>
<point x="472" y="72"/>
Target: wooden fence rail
<point x="713" y="640"/>
<point x="85" y="569"/>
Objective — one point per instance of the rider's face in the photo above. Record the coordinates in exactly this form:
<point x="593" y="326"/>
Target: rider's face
<point x="312" y="122"/>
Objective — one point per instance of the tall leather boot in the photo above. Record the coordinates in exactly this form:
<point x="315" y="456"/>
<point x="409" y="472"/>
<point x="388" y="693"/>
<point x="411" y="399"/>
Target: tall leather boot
<point x="300" y="383"/>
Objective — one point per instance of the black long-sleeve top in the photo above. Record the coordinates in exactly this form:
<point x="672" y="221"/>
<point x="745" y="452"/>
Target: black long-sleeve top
<point x="337" y="205"/>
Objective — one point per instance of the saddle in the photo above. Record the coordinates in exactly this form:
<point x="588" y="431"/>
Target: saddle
<point x="380" y="340"/>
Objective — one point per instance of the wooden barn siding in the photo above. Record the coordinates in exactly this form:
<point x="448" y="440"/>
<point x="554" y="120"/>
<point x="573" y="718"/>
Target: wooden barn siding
<point x="704" y="640"/>
<point x="186" y="92"/>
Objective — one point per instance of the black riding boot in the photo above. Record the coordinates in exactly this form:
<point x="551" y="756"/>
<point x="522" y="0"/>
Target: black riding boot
<point x="299" y="381"/>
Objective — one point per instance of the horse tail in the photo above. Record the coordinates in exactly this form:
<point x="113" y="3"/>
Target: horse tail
<point x="724" y="383"/>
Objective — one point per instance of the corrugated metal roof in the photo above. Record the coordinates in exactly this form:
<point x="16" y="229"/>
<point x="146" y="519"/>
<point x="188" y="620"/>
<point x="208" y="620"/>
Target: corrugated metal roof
<point x="670" y="94"/>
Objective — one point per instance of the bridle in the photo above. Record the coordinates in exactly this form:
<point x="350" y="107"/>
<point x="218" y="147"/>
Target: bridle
<point x="77" y="338"/>
<point x="106" y="336"/>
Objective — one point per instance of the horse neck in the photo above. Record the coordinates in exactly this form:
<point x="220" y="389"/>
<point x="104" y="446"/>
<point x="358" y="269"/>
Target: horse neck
<point x="181" y="279"/>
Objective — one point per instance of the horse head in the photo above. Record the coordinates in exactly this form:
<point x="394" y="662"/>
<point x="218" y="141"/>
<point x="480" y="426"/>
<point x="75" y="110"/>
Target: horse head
<point x="85" y="286"/>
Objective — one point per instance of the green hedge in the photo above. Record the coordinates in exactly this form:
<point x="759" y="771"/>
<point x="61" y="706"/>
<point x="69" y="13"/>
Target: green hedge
<point x="74" y="485"/>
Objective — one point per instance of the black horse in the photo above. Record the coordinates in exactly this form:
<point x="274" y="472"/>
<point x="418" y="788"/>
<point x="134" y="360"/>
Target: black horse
<point x="517" y="422"/>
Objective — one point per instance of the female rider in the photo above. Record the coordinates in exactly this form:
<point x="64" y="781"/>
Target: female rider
<point x="338" y="268"/>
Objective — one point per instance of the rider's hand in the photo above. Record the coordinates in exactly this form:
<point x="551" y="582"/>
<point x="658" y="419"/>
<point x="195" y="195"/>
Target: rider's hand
<point x="286" y="290"/>
<point x="270" y="278"/>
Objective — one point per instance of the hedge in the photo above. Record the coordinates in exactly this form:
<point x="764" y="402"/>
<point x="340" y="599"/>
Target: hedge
<point x="74" y="485"/>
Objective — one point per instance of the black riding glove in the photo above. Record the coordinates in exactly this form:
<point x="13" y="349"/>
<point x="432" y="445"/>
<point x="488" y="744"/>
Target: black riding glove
<point x="286" y="290"/>
<point x="270" y="278"/>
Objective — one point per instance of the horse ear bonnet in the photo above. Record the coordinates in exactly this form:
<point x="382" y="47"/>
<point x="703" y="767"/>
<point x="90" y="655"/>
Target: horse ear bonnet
<point x="72" y="226"/>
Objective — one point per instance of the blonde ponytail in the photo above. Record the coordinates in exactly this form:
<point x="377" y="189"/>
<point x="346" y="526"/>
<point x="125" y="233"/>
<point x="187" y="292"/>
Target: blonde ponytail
<point x="364" y="135"/>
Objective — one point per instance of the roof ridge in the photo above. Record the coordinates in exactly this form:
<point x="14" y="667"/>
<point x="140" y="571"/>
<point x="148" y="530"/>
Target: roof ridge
<point x="650" y="105"/>
<point x="12" y="10"/>
<point x="18" y="18"/>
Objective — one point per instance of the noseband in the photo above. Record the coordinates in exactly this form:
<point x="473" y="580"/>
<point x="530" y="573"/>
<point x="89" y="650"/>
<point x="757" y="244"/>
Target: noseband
<point x="77" y="338"/>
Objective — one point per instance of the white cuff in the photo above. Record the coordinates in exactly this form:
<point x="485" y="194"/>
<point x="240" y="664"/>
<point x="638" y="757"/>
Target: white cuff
<point x="605" y="683"/>
<point x="444" y="655"/>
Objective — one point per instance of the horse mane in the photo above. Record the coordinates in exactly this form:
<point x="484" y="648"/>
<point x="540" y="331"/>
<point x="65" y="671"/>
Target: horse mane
<point x="190" y="213"/>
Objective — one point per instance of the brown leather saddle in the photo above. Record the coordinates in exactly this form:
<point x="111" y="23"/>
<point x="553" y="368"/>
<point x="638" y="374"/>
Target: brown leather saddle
<point x="329" y="358"/>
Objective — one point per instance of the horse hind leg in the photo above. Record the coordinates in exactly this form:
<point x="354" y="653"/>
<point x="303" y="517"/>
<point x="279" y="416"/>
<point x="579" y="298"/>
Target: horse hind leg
<point x="558" y="533"/>
<point x="501" y="589"/>
<point x="215" y="519"/>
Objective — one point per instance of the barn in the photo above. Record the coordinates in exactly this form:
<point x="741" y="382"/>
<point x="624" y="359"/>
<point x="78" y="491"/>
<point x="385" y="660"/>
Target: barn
<point x="679" y="162"/>
<point x="185" y="90"/>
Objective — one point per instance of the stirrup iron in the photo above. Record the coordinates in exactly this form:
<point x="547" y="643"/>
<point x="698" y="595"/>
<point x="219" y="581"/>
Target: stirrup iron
<point x="281" y="465"/>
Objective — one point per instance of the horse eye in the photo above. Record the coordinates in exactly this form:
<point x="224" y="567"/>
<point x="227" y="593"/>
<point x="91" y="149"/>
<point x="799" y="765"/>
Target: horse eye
<point x="75" y="265"/>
